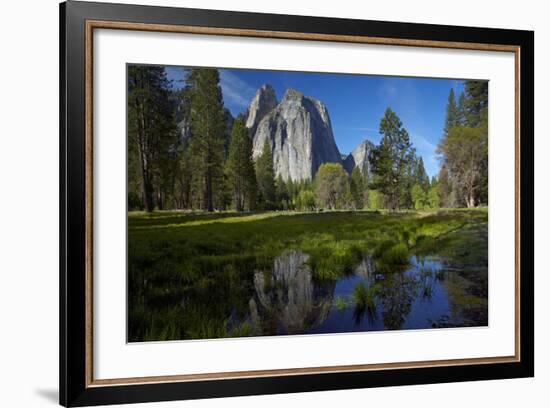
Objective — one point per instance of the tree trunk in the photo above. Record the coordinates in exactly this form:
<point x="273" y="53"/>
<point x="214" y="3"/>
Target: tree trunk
<point x="148" y="191"/>
<point x="160" y="200"/>
<point x="208" y="202"/>
<point x="144" y="164"/>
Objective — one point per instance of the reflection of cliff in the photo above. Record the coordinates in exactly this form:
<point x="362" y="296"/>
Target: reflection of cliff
<point x="287" y="300"/>
<point x="365" y="269"/>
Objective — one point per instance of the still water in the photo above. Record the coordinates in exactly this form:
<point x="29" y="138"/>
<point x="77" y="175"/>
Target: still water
<point x="283" y="296"/>
<point x="287" y="300"/>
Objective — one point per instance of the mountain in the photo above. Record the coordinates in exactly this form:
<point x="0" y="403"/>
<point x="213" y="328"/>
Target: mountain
<point x="298" y="129"/>
<point x="263" y="102"/>
<point x="359" y="157"/>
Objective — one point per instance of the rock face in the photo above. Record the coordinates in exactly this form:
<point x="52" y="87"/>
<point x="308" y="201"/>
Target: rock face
<point x="359" y="157"/>
<point x="300" y="134"/>
<point x="262" y="103"/>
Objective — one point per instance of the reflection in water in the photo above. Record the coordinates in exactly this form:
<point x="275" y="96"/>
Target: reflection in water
<point x="287" y="298"/>
<point x="284" y="296"/>
<point x="397" y="292"/>
<point x="365" y="269"/>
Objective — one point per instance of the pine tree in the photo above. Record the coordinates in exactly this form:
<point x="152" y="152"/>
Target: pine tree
<point x="420" y="175"/>
<point x="392" y="159"/>
<point x="207" y="126"/>
<point x="477" y="109"/>
<point x="152" y="135"/>
<point x="282" y="196"/>
<point x="240" y="167"/>
<point x="183" y="180"/>
<point x="452" y="113"/>
<point x="357" y="188"/>
<point x="461" y="109"/>
<point x="477" y="101"/>
<point x="463" y="150"/>
<point x="265" y="176"/>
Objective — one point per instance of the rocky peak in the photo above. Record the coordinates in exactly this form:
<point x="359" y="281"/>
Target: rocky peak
<point x="359" y="157"/>
<point x="292" y="95"/>
<point x="263" y="102"/>
<point x="300" y="134"/>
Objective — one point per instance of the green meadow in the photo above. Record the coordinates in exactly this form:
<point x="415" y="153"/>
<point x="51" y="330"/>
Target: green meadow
<point x="196" y="275"/>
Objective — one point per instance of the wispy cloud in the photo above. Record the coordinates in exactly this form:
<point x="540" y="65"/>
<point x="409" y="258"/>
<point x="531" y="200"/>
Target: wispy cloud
<point x="427" y="150"/>
<point x="422" y="144"/>
<point x="235" y="90"/>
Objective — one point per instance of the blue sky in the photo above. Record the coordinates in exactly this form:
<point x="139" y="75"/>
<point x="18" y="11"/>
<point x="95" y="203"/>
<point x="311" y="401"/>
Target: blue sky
<point x="356" y="103"/>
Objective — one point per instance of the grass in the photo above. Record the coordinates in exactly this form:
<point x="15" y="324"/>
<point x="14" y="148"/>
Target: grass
<point x="365" y="296"/>
<point x="340" y="303"/>
<point x="196" y="256"/>
<point x="397" y="254"/>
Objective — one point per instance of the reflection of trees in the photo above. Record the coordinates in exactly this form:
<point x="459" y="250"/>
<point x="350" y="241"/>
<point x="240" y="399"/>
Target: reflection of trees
<point x="366" y="309"/>
<point x="367" y="306"/>
<point x="467" y="291"/>
<point x="287" y="299"/>
<point x="396" y="291"/>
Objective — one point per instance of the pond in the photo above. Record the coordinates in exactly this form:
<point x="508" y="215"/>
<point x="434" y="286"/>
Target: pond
<point x="282" y="295"/>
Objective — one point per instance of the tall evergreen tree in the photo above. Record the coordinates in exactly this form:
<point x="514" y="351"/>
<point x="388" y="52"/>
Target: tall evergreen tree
<point x="357" y="188"/>
<point x="282" y="194"/>
<point x="183" y="180"/>
<point x="461" y="108"/>
<point x="151" y="131"/>
<point x="420" y="175"/>
<point x="265" y="176"/>
<point x="240" y="167"/>
<point x="463" y="150"/>
<point x="391" y="159"/>
<point x="477" y="101"/>
<point x="207" y="126"/>
<point x="452" y="112"/>
<point x="477" y="110"/>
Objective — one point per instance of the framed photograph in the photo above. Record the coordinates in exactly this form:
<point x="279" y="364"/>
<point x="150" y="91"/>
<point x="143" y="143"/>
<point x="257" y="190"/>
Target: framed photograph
<point x="256" y="204"/>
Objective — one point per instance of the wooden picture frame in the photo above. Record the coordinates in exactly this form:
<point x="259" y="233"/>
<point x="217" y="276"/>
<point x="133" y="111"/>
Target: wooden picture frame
<point x="78" y="20"/>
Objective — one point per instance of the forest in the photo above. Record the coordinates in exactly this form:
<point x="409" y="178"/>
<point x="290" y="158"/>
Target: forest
<point x="186" y="152"/>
